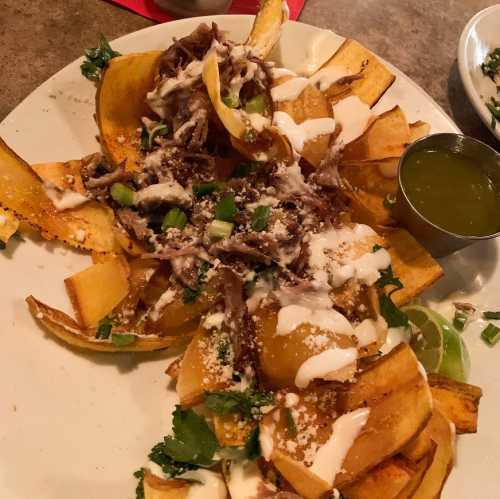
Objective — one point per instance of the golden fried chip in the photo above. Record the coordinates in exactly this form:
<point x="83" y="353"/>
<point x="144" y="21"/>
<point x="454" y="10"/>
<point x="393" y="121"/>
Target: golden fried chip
<point x="376" y="78"/>
<point x="121" y="104"/>
<point x="418" y="130"/>
<point x="386" y="137"/>
<point x="63" y="175"/>
<point x="97" y="290"/>
<point x="89" y="226"/>
<point x="414" y="266"/>
<point x="310" y="104"/>
<point x="66" y="329"/>
<point x="8" y="225"/>
<point x="159" y="488"/>
<point x="369" y="209"/>
<point x="367" y="176"/>
<point x="266" y="28"/>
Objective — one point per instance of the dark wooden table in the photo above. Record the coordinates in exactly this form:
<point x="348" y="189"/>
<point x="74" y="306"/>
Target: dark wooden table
<point x="39" y="37"/>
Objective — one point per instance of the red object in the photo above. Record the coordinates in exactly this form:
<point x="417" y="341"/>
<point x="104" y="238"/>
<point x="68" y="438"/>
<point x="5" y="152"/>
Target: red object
<point x="148" y="8"/>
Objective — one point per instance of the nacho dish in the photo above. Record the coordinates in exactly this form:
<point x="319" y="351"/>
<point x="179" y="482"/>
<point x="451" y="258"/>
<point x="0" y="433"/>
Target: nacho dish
<point x="242" y="212"/>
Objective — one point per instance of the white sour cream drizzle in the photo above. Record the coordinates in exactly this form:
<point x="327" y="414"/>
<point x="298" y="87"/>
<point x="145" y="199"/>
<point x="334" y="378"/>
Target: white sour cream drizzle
<point x="320" y="365"/>
<point x="353" y="115"/>
<point x="266" y="440"/>
<point x="330" y="456"/>
<point x="298" y="135"/>
<point x="246" y="481"/>
<point x="289" y="90"/>
<point x="166" y="298"/>
<point x="279" y="72"/>
<point x="170" y="191"/>
<point x="326" y="77"/>
<point x="367" y="331"/>
<point x="258" y="121"/>
<point x="63" y="200"/>
<point x="292" y="316"/>
<point x="212" y="485"/>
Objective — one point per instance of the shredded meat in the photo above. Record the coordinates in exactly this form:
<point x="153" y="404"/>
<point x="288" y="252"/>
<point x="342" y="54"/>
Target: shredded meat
<point x="134" y="223"/>
<point x="186" y="270"/>
<point x="327" y="174"/>
<point x="117" y="175"/>
<point x="234" y="247"/>
<point x="299" y="264"/>
<point x="169" y="254"/>
<point x="187" y="49"/>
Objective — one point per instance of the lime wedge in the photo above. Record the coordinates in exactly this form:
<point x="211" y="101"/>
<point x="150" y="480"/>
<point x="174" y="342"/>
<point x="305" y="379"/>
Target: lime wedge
<point x="439" y="347"/>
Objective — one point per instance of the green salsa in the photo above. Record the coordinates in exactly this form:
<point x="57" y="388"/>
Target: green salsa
<point x="450" y="191"/>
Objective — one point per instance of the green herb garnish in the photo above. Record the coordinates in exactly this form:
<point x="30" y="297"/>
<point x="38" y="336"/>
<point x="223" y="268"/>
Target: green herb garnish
<point x="247" y="403"/>
<point x="387" y="278"/>
<point x="226" y="209"/>
<point x="491" y="315"/>
<point x="123" y="339"/>
<point x="223" y="350"/>
<point x="376" y="247"/>
<point x="291" y="427"/>
<point x="174" y="219"/>
<point x="494" y="108"/>
<point x="122" y="194"/>
<point x="392" y="315"/>
<point x="139" y="490"/>
<point x="231" y="100"/>
<point x="256" y="105"/>
<point x="219" y="229"/>
<point x="96" y="59"/>
<point x="192" y="445"/>
<point x="104" y="328"/>
<point x="491" y="334"/>
<point x="252" y="445"/>
<point x="491" y="64"/>
<point x="249" y="136"/>
<point x="260" y="217"/>
<point x="148" y="136"/>
<point x="200" y="190"/>
<point x="190" y="295"/>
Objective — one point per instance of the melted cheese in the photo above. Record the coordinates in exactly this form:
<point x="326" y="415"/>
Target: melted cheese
<point x="326" y="77"/>
<point x="330" y="456"/>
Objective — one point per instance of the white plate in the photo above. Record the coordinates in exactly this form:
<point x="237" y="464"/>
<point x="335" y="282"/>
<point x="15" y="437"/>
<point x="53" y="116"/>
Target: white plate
<point x="75" y="424"/>
<point x="480" y="36"/>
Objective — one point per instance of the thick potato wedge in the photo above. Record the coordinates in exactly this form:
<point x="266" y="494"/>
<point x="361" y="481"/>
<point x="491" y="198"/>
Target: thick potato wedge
<point x="386" y="137"/>
<point x="267" y="26"/>
<point x="97" y="290"/>
<point x="443" y="434"/>
<point x="412" y="263"/>
<point x="21" y="191"/>
<point x="200" y="369"/>
<point x="385" y="481"/>
<point x="8" y="225"/>
<point x="126" y="79"/>
<point x="157" y="488"/>
<point x="310" y="104"/>
<point x="376" y="78"/>
<point x="69" y="331"/>
<point x="459" y="402"/>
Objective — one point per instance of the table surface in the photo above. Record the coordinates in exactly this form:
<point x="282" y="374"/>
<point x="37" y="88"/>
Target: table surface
<point x="37" y="38"/>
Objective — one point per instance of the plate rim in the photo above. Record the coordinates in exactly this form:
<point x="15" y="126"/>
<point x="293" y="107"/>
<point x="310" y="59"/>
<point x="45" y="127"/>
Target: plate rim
<point x="470" y="89"/>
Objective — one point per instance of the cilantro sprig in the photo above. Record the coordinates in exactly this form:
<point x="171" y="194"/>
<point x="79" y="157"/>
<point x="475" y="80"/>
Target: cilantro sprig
<point x="192" y="445"/>
<point x="96" y="59"/>
<point x="393" y="316"/>
<point x="247" y="403"/>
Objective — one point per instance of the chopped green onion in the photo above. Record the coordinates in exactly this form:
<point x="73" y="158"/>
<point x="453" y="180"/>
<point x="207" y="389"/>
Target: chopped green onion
<point x="249" y="136"/>
<point x="104" y="328"/>
<point x="2" y="245"/>
<point x="122" y="194"/>
<point x="389" y="201"/>
<point x="200" y="190"/>
<point x="96" y="60"/>
<point x="256" y="105"/>
<point x="219" y="229"/>
<point x="158" y="131"/>
<point x="460" y="319"/>
<point x="231" y="100"/>
<point x="491" y="315"/>
<point x="123" y="340"/>
<point x="491" y="334"/>
<point x="226" y="208"/>
<point x="260" y="217"/>
<point x="174" y="219"/>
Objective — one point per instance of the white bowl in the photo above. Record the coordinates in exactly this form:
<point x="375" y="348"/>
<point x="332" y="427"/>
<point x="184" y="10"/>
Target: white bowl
<point x="480" y="36"/>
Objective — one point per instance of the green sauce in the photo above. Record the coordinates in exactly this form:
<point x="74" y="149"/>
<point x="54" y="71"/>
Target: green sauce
<point x="449" y="190"/>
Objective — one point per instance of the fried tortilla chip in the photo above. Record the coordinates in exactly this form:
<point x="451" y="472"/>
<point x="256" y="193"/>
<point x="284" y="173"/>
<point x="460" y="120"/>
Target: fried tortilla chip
<point x="414" y="266"/>
<point x="418" y="130"/>
<point x="376" y="78"/>
<point x="97" y="290"/>
<point x="266" y="28"/>
<point x="120" y="102"/>
<point x="159" y="488"/>
<point x="386" y="137"/>
<point x="459" y="402"/>
<point x="89" y="226"/>
<point x="310" y="104"/>
<point x="8" y="225"/>
<point x="369" y="209"/>
<point x="63" y="175"/>
<point x="66" y="329"/>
